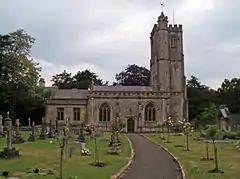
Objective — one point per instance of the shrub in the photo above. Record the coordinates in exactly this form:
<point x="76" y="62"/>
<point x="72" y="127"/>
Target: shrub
<point x="231" y="135"/>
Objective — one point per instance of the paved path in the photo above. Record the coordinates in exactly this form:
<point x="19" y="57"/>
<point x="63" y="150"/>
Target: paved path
<point x="151" y="161"/>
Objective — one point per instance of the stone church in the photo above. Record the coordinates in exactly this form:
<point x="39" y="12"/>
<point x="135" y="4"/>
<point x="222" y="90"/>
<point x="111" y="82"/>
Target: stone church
<point x="141" y="108"/>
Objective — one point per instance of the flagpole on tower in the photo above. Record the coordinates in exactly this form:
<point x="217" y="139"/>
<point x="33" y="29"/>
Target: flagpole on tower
<point x="173" y="17"/>
<point x="162" y="6"/>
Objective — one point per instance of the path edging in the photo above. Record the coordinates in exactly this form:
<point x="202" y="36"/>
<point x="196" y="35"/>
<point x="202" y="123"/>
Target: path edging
<point x="164" y="148"/>
<point x="125" y="167"/>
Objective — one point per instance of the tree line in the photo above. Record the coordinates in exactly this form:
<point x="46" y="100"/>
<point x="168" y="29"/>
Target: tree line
<point x="21" y="94"/>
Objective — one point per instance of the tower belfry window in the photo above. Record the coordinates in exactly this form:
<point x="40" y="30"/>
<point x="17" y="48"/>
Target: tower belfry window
<point x="173" y="43"/>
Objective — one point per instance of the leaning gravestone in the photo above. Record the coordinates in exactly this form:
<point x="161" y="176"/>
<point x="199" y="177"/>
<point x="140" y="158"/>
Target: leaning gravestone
<point x="17" y="138"/>
<point x="43" y="134"/>
<point x="32" y="134"/>
<point x="9" y="151"/>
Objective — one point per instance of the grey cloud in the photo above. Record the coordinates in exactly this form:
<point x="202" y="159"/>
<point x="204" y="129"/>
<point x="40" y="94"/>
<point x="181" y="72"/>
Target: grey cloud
<point x="94" y="32"/>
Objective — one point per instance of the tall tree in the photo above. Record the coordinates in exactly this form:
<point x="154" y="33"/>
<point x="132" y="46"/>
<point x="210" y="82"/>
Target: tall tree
<point x="133" y="75"/>
<point x="19" y="74"/>
<point x="63" y="80"/>
<point x="199" y="97"/>
<point x="229" y="94"/>
<point x="81" y="80"/>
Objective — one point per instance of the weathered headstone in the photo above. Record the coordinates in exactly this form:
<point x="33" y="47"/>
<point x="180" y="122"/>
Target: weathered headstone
<point x="32" y="134"/>
<point x="17" y="138"/>
<point x="9" y="151"/>
<point x="43" y="133"/>
<point x="57" y="126"/>
<point x="29" y="123"/>
<point x="1" y="126"/>
<point x="72" y="152"/>
<point x="51" y="132"/>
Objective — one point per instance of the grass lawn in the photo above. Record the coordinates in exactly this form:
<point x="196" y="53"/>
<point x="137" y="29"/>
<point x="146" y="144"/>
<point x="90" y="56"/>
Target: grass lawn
<point x="229" y="158"/>
<point x="44" y="155"/>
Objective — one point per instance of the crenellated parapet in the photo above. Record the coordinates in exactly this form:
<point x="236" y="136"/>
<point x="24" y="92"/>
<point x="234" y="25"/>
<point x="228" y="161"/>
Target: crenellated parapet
<point x="175" y="28"/>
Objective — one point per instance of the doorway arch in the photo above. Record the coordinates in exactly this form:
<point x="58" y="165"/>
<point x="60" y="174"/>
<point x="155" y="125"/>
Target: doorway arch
<point x="130" y="125"/>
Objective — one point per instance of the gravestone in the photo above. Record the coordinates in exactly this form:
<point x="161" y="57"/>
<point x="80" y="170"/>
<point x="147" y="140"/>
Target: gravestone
<point x="9" y="151"/>
<point x="32" y="134"/>
<point x="57" y="127"/>
<point x="68" y="124"/>
<point x="51" y="132"/>
<point x="72" y="152"/>
<point x="2" y="134"/>
<point x="29" y="123"/>
<point x="43" y="134"/>
<point x="17" y="138"/>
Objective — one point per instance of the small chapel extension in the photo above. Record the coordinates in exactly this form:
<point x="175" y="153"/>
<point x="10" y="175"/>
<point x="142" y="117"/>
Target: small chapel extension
<point x="141" y="107"/>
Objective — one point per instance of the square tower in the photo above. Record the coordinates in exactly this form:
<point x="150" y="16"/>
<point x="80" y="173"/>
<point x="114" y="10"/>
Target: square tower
<point x="167" y="65"/>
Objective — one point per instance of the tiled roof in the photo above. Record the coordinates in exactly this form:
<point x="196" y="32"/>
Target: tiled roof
<point x="122" y="88"/>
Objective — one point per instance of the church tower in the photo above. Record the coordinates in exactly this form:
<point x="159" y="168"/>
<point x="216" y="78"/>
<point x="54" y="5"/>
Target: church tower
<point x="167" y="66"/>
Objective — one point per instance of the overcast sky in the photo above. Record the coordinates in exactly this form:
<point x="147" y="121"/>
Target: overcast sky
<point x="107" y="35"/>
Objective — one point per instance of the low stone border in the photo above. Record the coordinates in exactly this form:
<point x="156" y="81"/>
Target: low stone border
<point x="164" y="148"/>
<point x="127" y="166"/>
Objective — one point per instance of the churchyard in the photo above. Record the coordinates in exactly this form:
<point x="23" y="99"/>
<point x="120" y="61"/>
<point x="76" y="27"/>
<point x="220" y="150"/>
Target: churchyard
<point x="37" y="152"/>
<point x="192" y="154"/>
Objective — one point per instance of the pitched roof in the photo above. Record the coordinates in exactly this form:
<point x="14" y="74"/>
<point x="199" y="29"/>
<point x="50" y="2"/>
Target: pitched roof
<point x="69" y="94"/>
<point x="121" y="88"/>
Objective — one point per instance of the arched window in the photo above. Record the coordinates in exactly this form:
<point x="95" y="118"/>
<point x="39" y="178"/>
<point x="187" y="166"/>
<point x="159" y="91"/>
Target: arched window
<point x="173" y="42"/>
<point x="104" y="112"/>
<point x="150" y="112"/>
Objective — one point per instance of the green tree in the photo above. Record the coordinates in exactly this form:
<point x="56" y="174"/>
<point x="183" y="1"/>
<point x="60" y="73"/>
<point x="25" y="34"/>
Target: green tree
<point x="81" y="80"/>
<point x="199" y="97"/>
<point x="133" y="75"/>
<point x="213" y="133"/>
<point x="19" y="73"/>
<point x="229" y="94"/>
<point x="209" y="114"/>
<point x="62" y="80"/>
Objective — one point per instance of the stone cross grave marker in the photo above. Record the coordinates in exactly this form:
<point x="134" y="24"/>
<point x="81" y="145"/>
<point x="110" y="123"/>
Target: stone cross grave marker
<point x="9" y="151"/>
<point x="17" y="139"/>
<point x="32" y="135"/>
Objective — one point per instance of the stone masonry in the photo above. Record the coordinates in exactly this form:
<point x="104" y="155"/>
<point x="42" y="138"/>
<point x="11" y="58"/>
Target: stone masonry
<point x="166" y="94"/>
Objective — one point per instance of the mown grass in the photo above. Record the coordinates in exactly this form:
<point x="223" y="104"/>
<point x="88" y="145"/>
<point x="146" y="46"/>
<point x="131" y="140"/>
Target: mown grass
<point x="229" y="157"/>
<point x="45" y="155"/>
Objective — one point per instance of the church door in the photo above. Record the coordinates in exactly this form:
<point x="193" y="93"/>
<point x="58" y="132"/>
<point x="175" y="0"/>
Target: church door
<point x="130" y="125"/>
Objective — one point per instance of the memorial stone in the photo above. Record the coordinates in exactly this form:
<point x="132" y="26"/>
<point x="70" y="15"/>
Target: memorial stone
<point x="51" y="132"/>
<point x="17" y="138"/>
<point x="9" y="151"/>
<point x="32" y="134"/>
<point x="43" y="134"/>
